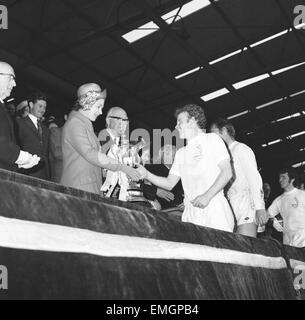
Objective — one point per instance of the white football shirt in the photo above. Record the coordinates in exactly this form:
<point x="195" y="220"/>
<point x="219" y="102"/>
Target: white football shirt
<point x="197" y="166"/>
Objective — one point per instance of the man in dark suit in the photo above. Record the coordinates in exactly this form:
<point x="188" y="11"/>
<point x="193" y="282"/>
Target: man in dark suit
<point x="33" y="135"/>
<point x="11" y="157"/>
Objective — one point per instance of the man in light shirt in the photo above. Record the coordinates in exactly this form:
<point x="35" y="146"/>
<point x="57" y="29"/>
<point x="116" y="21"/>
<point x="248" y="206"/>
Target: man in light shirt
<point x="246" y="192"/>
<point x="11" y="156"/>
<point x="204" y="168"/>
<point x="291" y="206"/>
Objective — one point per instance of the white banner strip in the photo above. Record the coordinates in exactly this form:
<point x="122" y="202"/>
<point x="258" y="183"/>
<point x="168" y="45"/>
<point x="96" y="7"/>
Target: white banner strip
<point x="27" y="235"/>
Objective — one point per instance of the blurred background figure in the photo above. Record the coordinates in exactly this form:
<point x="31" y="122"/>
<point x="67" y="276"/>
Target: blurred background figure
<point x="51" y="122"/>
<point x="11" y="109"/>
<point x="55" y="148"/>
<point x="22" y="110"/>
<point x="267" y="193"/>
<point x="300" y="184"/>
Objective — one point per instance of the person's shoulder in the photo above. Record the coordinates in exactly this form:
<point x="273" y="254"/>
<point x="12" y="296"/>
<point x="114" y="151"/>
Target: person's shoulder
<point x="74" y="120"/>
<point x="22" y="121"/>
<point x="244" y="149"/>
<point x="243" y="146"/>
<point x="301" y="192"/>
<point x="211" y="138"/>
<point x="279" y="198"/>
<point x="180" y="151"/>
<point x="69" y="125"/>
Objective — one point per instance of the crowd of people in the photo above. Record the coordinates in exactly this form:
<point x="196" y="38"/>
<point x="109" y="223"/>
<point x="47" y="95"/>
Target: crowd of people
<point x="213" y="180"/>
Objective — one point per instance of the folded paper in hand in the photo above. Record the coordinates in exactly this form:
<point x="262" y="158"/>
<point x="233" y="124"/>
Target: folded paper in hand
<point x="31" y="162"/>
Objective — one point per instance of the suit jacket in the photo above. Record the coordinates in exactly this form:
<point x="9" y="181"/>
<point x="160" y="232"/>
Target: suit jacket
<point x="80" y="146"/>
<point x="9" y="150"/>
<point x="29" y="140"/>
<point x="150" y="191"/>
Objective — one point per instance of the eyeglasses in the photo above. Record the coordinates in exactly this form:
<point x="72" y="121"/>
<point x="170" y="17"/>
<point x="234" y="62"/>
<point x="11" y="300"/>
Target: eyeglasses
<point x="10" y="75"/>
<point x="118" y="118"/>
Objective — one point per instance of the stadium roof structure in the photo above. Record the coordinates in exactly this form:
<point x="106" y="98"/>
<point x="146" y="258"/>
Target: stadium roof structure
<point x="241" y="59"/>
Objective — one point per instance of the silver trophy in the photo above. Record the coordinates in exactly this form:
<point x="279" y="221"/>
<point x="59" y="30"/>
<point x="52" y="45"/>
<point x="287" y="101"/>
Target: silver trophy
<point x="126" y="153"/>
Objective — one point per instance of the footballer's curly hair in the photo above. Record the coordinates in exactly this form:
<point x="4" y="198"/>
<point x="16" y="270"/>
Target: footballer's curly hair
<point x="196" y="112"/>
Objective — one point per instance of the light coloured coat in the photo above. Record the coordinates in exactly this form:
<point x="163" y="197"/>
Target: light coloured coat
<point x="80" y="146"/>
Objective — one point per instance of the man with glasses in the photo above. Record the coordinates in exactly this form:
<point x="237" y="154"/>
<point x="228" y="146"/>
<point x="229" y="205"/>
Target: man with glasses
<point x="11" y="157"/>
<point x="116" y="127"/>
<point x="117" y="122"/>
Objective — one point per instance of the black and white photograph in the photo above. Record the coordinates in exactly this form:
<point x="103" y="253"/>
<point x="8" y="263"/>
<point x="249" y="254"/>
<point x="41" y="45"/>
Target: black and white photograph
<point x="152" y="153"/>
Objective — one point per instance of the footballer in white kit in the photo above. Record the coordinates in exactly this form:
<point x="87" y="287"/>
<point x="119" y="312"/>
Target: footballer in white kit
<point x="246" y="192"/>
<point x="204" y="168"/>
<point x="197" y="166"/>
<point x="291" y="206"/>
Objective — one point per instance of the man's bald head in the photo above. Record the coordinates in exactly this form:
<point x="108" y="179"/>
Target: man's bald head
<point x="6" y="68"/>
<point x="7" y="79"/>
<point x="117" y="120"/>
<point x="85" y="88"/>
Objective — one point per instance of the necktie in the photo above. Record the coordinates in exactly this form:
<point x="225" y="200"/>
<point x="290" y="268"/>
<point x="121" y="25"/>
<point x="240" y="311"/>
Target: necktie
<point x="39" y="127"/>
